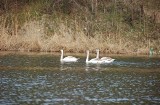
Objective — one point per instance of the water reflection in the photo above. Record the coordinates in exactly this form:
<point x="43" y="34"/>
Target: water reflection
<point x="80" y="66"/>
<point x="68" y="66"/>
<point x="44" y="80"/>
<point x="92" y="67"/>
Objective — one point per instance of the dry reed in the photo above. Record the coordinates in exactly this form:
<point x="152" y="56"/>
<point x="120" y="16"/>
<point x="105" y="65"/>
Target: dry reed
<point x="77" y="26"/>
<point x="32" y="37"/>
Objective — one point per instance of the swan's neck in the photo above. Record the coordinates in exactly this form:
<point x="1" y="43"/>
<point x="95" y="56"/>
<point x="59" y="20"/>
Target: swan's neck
<point x="97" y="54"/>
<point x="61" y="56"/>
<point x="87" y="58"/>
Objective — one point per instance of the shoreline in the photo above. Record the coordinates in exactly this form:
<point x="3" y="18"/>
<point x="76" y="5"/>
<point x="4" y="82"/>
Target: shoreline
<point x="92" y="54"/>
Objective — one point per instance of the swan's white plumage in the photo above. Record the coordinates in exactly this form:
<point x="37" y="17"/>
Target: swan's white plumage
<point x="105" y="59"/>
<point x="94" y="60"/>
<point x="68" y="58"/>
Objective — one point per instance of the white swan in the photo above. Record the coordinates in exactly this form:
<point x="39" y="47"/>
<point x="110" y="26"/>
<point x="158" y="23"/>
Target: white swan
<point x="105" y="59"/>
<point x="94" y="61"/>
<point x="68" y="58"/>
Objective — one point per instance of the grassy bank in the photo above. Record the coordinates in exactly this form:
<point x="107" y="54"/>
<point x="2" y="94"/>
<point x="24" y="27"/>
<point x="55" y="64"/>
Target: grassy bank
<point x="113" y="26"/>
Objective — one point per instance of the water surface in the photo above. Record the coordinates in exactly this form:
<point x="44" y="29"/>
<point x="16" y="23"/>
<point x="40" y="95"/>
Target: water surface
<point x="42" y="79"/>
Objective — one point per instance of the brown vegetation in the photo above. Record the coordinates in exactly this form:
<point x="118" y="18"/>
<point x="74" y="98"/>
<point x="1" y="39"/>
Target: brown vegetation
<point x="113" y="26"/>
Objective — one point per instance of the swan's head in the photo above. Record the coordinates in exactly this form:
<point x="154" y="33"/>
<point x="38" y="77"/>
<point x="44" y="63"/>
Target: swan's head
<point x="61" y="50"/>
<point x="87" y="51"/>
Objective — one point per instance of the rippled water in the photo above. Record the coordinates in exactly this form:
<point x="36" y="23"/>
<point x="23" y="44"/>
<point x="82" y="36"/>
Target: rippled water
<point x="42" y="79"/>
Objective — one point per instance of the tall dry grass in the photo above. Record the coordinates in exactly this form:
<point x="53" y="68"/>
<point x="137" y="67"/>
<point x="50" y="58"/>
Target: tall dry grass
<point x="32" y="37"/>
<point x="77" y="25"/>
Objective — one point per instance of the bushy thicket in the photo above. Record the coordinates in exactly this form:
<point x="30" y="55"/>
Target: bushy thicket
<point x="130" y="25"/>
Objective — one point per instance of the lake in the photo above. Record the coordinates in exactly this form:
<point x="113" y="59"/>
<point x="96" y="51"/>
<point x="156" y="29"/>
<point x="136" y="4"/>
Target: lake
<point x="35" y="78"/>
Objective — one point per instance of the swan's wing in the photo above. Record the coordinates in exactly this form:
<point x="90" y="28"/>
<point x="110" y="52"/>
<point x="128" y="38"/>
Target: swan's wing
<point x="70" y="58"/>
<point x="94" y="59"/>
<point x="106" y="58"/>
